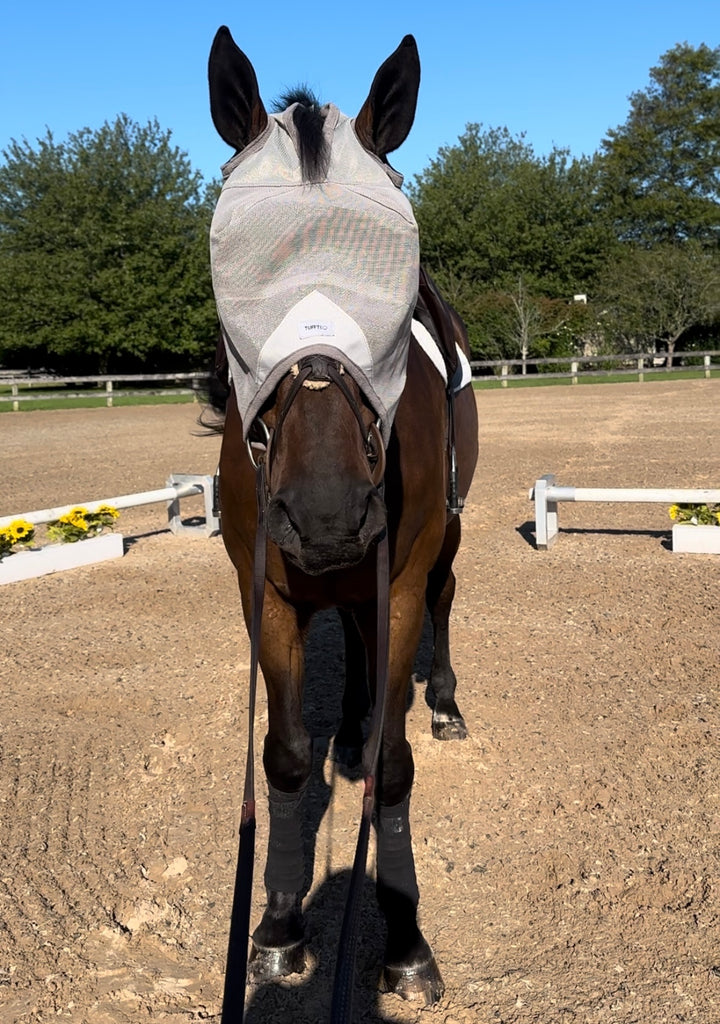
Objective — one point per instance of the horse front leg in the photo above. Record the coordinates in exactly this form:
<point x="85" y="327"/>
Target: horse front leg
<point x="278" y="942"/>
<point x="409" y="969"/>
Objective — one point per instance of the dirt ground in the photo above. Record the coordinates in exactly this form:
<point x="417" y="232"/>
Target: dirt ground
<point x="568" y="852"/>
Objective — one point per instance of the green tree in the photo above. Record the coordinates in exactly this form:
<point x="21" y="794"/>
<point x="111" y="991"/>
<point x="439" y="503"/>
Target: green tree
<point x="661" y="169"/>
<point x="529" y="319"/>
<point x="491" y="212"/>
<point x="103" y="253"/>
<point x="655" y="296"/>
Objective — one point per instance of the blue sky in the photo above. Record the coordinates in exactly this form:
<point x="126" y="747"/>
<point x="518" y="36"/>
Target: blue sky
<point x="561" y="72"/>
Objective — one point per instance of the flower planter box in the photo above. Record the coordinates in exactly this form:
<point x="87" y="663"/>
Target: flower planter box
<point x="698" y="539"/>
<point x="26" y="565"/>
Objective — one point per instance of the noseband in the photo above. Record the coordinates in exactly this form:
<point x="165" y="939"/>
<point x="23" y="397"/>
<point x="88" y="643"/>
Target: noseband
<point x="321" y="371"/>
<point x="316" y="373"/>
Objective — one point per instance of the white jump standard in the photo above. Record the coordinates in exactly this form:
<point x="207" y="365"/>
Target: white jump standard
<point x="547" y="494"/>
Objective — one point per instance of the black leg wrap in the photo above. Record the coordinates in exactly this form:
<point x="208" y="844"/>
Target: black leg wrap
<point x="395" y="863"/>
<point x="285" y="867"/>
<point x="410" y="969"/>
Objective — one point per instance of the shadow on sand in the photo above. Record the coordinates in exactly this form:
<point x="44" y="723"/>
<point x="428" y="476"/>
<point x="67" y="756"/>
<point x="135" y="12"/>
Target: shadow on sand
<point x="527" y="532"/>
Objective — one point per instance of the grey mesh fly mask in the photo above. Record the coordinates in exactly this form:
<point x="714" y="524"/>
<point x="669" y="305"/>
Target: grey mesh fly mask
<point x="328" y="268"/>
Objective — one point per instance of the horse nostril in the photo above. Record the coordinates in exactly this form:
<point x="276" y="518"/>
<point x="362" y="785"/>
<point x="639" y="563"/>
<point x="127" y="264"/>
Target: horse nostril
<point x="374" y="518"/>
<point x="368" y="503"/>
<point x="280" y="526"/>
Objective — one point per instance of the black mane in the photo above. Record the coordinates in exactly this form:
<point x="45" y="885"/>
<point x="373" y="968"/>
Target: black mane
<point x="309" y="120"/>
<point x="299" y="94"/>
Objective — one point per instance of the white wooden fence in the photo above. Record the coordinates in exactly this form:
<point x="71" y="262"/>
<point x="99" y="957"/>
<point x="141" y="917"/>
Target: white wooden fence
<point x="25" y="389"/>
<point x="637" y="365"/>
<point x="179" y="485"/>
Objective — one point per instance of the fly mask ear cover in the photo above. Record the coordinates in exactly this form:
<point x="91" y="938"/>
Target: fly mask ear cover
<point x="328" y="268"/>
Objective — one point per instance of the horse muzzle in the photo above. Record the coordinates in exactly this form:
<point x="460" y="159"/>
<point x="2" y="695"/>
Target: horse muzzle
<point x="319" y="539"/>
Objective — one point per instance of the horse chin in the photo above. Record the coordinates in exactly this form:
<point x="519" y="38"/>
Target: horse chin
<point x="330" y="554"/>
<point x="315" y="561"/>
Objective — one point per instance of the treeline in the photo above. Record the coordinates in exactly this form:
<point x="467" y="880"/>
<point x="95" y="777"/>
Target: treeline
<point x="104" y="261"/>
<point x="550" y="255"/>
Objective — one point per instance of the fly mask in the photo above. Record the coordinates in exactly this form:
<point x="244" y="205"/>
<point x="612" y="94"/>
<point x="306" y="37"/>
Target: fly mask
<point x="327" y="268"/>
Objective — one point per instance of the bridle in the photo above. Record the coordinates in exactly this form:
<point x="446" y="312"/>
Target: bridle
<point x="316" y="372"/>
<point x="326" y="371"/>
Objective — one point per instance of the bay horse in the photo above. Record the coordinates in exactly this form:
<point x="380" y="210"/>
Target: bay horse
<point x="341" y="475"/>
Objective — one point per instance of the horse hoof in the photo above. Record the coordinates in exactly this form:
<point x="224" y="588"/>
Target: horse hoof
<point x="269" y="962"/>
<point x="422" y="982"/>
<point x="449" y="727"/>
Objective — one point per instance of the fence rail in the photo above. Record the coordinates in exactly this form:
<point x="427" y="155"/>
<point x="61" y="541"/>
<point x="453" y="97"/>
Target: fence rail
<point x="547" y="495"/>
<point x="48" y="381"/>
<point x="637" y="365"/>
<point x="179" y="485"/>
<point x="640" y="365"/>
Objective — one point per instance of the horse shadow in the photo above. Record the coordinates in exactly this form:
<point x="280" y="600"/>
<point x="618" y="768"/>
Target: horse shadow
<point x="325" y="676"/>
<point x="308" y="996"/>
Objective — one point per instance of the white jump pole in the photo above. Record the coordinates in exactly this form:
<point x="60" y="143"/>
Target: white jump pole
<point x="546" y="495"/>
<point x="178" y="486"/>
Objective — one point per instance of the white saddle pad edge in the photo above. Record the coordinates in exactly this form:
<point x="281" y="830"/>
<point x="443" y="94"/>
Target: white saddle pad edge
<point x="429" y="346"/>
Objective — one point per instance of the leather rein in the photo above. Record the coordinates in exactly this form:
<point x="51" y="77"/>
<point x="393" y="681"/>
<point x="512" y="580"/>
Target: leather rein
<point x="311" y="369"/>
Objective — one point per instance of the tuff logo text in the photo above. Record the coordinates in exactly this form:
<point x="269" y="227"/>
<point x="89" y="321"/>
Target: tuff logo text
<point x="316" y="329"/>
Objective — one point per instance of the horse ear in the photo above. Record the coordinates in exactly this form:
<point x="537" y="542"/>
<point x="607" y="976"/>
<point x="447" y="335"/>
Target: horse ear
<point x="386" y="116"/>
<point x="237" y="111"/>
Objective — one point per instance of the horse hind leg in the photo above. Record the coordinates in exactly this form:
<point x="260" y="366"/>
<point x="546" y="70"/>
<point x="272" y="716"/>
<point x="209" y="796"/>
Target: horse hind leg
<point x="356" y="696"/>
<point x="447" y="721"/>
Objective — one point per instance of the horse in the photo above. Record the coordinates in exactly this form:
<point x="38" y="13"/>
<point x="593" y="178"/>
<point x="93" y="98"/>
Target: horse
<point x="345" y="469"/>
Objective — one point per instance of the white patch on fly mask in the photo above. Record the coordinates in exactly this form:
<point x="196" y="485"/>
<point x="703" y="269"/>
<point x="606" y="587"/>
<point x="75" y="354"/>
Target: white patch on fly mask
<point x="308" y="320"/>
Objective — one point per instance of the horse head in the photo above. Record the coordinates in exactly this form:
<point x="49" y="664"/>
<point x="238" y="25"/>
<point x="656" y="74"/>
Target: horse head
<point x="315" y="265"/>
<point x="325" y="461"/>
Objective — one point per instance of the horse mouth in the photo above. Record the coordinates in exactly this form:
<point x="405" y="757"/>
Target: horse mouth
<point x="324" y="559"/>
<point x="326" y="545"/>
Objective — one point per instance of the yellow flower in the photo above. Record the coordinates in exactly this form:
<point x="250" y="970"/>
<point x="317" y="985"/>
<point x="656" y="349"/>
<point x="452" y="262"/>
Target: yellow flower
<point x="673" y="511"/>
<point x="107" y="510"/>
<point x="76" y="517"/>
<point x="18" y="532"/>
<point x="20" y="529"/>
